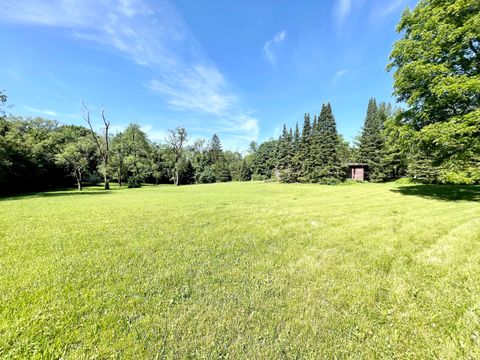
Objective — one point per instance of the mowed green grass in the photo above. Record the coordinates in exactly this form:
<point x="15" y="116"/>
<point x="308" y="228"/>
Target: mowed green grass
<point x="242" y="270"/>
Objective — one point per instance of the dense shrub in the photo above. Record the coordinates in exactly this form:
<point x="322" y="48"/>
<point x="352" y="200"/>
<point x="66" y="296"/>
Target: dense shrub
<point x="207" y="176"/>
<point x="259" y="177"/>
<point x="134" y="181"/>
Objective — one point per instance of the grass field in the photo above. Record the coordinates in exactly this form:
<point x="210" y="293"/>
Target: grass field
<point x="242" y="270"/>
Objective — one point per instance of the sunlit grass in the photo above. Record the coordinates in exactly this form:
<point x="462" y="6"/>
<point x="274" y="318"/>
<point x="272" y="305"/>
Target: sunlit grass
<point x="242" y="270"/>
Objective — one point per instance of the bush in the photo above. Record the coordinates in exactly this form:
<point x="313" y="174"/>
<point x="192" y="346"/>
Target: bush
<point x="457" y="178"/>
<point x="134" y="182"/>
<point x="405" y="181"/>
<point x="328" y="181"/>
<point x="259" y="177"/>
<point x="92" y="179"/>
<point x="288" y="176"/>
<point x="207" y="176"/>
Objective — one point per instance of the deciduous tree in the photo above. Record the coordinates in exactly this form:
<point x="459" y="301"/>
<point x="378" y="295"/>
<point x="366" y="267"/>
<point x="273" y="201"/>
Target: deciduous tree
<point x="103" y="144"/>
<point x="176" y="140"/>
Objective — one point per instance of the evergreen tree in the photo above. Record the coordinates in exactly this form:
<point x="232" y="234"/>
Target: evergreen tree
<point x="344" y="152"/>
<point x="217" y="160"/>
<point x="296" y="139"/>
<point x="285" y="156"/>
<point x="215" y="150"/>
<point x="252" y="147"/>
<point x="264" y="160"/>
<point x="325" y="149"/>
<point x="313" y="160"/>
<point x="304" y="148"/>
<point x="187" y="173"/>
<point x="296" y="165"/>
<point x="371" y="141"/>
<point x="245" y="171"/>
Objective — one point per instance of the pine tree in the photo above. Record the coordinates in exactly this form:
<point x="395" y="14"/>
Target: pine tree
<point x="217" y="160"/>
<point x="285" y="156"/>
<point x="304" y="149"/>
<point x="372" y="143"/>
<point x="245" y="171"/>
<point x="296" y="139"/>
<point x="215" y="150"/>
<point x="313" y="160"/>
<point x="325" y="148"/>
<point x="296" y="155"/>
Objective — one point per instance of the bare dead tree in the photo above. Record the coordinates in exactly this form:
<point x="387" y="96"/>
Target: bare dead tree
<point x="176" y="139"/>
<point x="103" y="149"/>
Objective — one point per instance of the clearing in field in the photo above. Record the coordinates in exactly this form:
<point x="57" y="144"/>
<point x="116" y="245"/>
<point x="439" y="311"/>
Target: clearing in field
<point x="242" y="270"/>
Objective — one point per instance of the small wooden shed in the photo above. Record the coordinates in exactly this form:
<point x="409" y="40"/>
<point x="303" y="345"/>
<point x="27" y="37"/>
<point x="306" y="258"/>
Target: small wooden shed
<point x="358" y="171"/>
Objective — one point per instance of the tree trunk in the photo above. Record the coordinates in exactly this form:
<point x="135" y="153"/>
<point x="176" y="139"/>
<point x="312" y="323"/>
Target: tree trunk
<point x="105" y="177"/>
<point x="176" y="177"/>
<point x="78" y="176"/>
<point x="120" y="177"/>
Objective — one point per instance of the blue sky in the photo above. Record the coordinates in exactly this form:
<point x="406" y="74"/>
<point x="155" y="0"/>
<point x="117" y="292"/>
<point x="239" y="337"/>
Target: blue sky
<point x="240" y="68"/>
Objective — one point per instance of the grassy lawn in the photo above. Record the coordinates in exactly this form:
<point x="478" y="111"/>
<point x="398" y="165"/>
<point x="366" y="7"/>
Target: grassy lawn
<point x="242" y="270"/>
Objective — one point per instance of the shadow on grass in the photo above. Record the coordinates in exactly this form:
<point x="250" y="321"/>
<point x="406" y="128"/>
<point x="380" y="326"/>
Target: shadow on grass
<point x="442" y="192"/>
<point x="49" y="194"/>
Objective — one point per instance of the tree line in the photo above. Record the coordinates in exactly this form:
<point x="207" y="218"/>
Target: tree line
<point x="37" y="154"/>
<point x="435" y="138"/>
<point x="319" y="154"/>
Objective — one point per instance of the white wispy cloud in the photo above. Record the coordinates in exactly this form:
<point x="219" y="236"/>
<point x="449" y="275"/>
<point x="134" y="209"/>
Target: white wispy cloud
<point x="342" y="8"/>
<point x="154" y="35"/>
<point x="41" y="111"/>
<point x="339" y="74"/>
<point x="391" y="7"/>
<point x="269" y="46"/>
<point x="154" y="134"/>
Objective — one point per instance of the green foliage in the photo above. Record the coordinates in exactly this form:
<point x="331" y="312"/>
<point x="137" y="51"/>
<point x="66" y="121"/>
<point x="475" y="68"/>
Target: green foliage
<point x="215" y="150"/>
<point x="460" y="176"/>
<point x="437" y="73"/>
<point x="216" y="160"/>
<point x="187" y="173"/>
<point x="371" y="147"/>
<point x="252" y="148"/>
<point x="286" y="154"/>
<point x="176" y="140"/>
<point x="134" y="181"/>
<point x="28" y="149"/>
<point x="137" y="159"/>
<point x="206" y="176"/>
<point x="304" y="148"/>
<point x="245" y="171"/>
<point x="264" y="160"/>
<point x="77" y="156"/>
<point x="437" y="60"/>
<point x="3" y="101"/>
<point x="259" y="177"/>
<point x="345" y="153"/>
<point x="397" y="146"/>
<point x="325" y="163"/>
